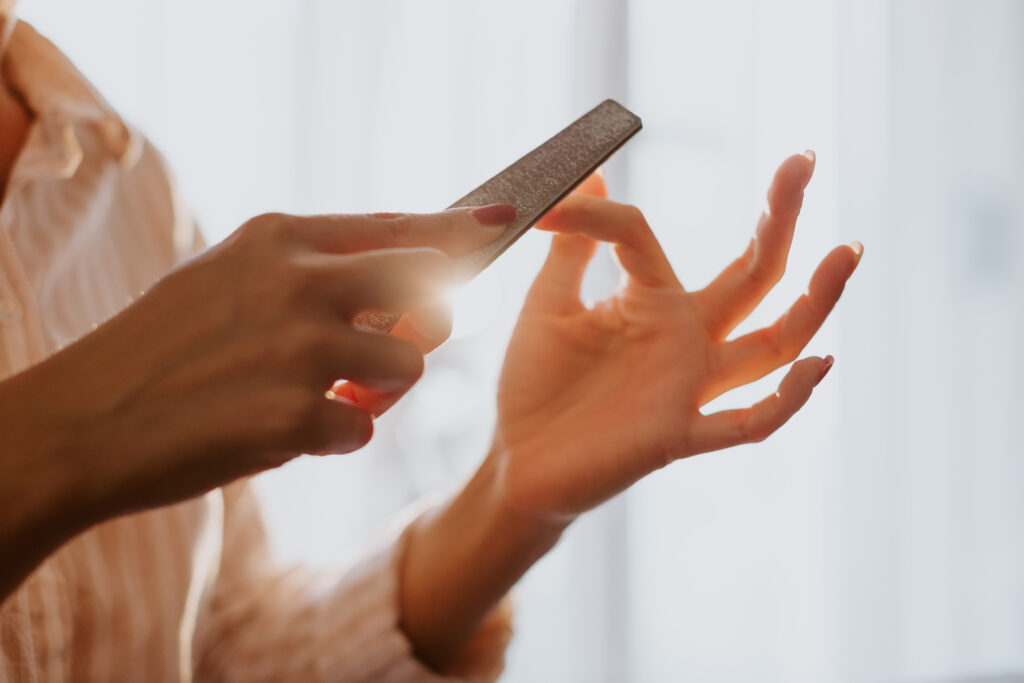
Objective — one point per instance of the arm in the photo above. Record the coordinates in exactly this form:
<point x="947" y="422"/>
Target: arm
<point x="40" y="507"/>
<point x="593" y="399"/>
<point x="217" y="372"/>
<point x="268" y="623"/>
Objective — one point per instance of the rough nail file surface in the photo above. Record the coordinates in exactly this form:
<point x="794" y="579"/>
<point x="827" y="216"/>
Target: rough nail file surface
<point x="537" y="182"/>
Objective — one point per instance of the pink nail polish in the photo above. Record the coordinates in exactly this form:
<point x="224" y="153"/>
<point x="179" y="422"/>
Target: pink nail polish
<point x="495" y="214"/>
<point x="829" y="361"/>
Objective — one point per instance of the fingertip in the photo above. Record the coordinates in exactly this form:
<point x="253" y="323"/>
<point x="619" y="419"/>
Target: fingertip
<point x="353" y="425"/>
<point x="363" y="431"/>
<point x="494" y="215"/>
<point x="858" y="251"/>
<point x="560" y="214"/>
<point x="433" y="326"/>
<point x="465" y="228"/>
<point x="594" y="185"/>
<point x="826" y="366"/>
<point x="791" y="178"/>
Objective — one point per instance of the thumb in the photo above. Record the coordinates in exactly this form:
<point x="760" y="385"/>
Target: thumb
<point x="557" y="287"/>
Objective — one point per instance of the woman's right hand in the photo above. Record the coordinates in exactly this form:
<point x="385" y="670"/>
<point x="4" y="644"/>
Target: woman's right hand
<point x="221" y="369"/>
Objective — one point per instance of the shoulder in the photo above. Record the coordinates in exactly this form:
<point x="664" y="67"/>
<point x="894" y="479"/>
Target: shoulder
<point x="144" y="197"/>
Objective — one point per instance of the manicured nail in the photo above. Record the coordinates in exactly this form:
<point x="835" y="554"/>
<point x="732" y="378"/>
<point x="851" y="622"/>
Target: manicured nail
<point x="495" y="214"/>
<point x="858" y="251"/>
<point x="810" y="156"/>
<point x="829" y="360"/>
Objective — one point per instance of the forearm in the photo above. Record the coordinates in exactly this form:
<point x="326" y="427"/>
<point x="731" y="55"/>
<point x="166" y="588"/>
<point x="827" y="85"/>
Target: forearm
<point x="461" y="559"/>
<point x="39" y="509"/>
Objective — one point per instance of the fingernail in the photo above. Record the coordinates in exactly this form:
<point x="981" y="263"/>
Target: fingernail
<point x="495" y="214"/>
<point x="811" y="156"/>
<point x="829" y="360"/>
<point x="858" y="251"/>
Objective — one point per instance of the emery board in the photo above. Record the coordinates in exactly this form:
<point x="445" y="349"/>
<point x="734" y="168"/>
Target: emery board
<point x="534" y="184"/>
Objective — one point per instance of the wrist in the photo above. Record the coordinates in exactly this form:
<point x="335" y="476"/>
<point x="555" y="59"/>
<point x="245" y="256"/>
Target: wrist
<point x="489" y="525"/>
<point x="502" y="513"/>
<point x="460" y="561"/>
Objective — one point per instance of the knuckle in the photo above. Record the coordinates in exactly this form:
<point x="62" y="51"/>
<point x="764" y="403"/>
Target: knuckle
<point x="267" y="225"/>
<point x="789" y="353"/>
<point x="764" y="273"/>
<point x="296" y="277"/>
<point x="755" y="430"/>
<point x="399" y="229"/>
<point x="635" y="216"/>
<point x="337" y="429"/>
<point x="410" y="361"/>
<point x="779" y="347"/>
<point x="451" y="224"/>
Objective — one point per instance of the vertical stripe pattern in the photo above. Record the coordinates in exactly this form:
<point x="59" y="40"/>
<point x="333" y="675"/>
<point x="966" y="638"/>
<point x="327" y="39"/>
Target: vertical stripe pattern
<point x="187" y="592"/>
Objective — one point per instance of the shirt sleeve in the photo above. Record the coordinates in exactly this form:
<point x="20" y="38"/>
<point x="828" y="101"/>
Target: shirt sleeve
<point x="264" y="624"/>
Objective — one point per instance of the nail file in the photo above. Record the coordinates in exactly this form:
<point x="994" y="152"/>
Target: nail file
<point x="534" y="184"/>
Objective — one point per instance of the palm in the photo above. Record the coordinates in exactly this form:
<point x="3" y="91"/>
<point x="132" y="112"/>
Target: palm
<point x="614" y="365"/>
<point x="592" y="399"/>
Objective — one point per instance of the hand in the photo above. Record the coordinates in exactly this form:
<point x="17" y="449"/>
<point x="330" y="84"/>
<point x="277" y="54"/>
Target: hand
<point x="593" y="399"/>
<point x="222" y="368"/>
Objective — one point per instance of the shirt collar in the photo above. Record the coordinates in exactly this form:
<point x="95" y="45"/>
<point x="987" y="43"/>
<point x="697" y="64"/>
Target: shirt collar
<point x="61" y="99"/>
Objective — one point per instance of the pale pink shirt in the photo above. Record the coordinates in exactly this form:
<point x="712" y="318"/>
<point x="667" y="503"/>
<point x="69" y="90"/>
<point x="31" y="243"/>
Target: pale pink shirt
<point x="187" y="592"/>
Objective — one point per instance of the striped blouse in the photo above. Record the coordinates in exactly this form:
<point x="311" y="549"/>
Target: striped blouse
<point x="186" y="592"/>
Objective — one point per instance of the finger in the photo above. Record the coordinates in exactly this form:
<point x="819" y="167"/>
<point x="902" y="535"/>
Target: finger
<point x="557" y="287"/>
<point x="454" y="231"/>
<point x="593" y="186"/>
<point x="624" y="226"/>
<point x="379" y="362"/>
<point x="753" y="356"/>
<point x="375" y="403"/>
<point x="380" y="280"/>
<point x="427" y="327"/>
<point x="339" y="427"/>
<point x="758" y="422"/>
<point x="744" y="283"/>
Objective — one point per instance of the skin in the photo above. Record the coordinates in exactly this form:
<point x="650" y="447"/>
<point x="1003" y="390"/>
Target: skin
<point x="640" y="365"/>
<point x="139" y="413"/>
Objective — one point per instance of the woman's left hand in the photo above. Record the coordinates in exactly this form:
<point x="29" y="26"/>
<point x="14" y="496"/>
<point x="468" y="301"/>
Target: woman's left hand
<point x="593" y="399"/>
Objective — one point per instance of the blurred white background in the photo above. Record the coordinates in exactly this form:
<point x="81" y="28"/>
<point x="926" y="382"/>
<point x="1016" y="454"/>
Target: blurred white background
<point x="878" y="536"/>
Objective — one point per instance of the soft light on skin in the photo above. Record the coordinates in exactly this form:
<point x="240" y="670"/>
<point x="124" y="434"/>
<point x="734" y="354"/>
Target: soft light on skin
<point x="7" y="22"/>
